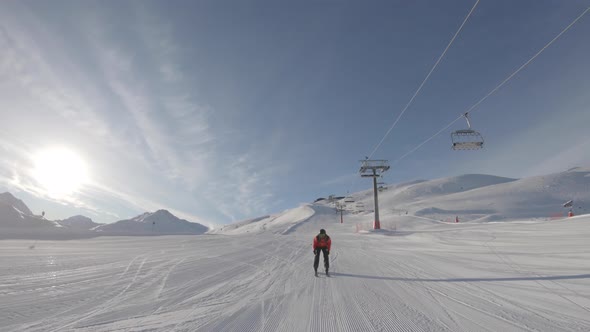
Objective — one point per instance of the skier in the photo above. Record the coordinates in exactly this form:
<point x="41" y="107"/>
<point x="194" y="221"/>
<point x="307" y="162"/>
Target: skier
<point x="321" y="243"/>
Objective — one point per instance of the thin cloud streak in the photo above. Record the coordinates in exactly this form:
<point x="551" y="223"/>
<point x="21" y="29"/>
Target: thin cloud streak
<point x="172" y="132"/>
<point x="168" y="123"/>
<point x="247" y="189"/>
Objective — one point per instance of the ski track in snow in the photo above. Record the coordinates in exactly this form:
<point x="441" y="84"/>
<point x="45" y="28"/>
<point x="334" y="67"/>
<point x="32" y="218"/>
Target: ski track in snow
<point x="430" y="277"/>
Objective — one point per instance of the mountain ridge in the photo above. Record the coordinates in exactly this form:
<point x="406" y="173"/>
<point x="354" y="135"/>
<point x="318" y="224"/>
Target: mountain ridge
<point x="17" y="221"/>
<point x="470" y="197"/>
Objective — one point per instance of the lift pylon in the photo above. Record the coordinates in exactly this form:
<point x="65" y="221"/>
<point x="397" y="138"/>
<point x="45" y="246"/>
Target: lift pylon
<point x="374" y="169"/>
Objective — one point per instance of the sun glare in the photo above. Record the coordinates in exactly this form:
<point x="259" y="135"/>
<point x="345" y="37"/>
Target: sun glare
<point x="60" y="172"/>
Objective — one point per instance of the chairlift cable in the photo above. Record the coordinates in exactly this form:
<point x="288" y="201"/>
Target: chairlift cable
<point x="471" y="109"/>
<point x="420" y="87"/>
<point x="424" y="81"/>
<point x="426" y="141"/>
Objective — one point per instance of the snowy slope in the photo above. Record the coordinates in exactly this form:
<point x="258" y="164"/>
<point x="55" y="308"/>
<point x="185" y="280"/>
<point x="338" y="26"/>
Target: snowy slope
<point x="398" y="196"/>
<point x="439" y="187"/>
<point x="283" y="222"/>
<point x="243" y="226"/>
<point x="523" y="276"/>
<point x="419" y="275"/>
<point x="471" y="197"/>
<point x="160" y="222"/>
<point x="15" y="215"/>
<point x="486" y="198"/>
<point x="8" y="199"/>
<point x="534" y="197"/>
<point x="446" y="186"/>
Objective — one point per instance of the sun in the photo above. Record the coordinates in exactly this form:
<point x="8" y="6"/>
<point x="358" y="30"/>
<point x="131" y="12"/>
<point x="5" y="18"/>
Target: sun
<point x="59" y="171"/>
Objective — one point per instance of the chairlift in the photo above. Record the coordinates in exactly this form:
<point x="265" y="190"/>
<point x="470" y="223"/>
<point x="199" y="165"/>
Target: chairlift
<point x="348" y="200"/>
<point x="466" y="139"/>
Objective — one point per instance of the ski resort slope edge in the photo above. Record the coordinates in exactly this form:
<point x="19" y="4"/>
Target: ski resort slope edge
<point x="425" y="276"/>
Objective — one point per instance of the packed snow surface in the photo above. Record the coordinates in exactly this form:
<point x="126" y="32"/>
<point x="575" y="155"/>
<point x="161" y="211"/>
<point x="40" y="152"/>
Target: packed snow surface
<point x="424" y="276"/>
<point x="478" y="197"/>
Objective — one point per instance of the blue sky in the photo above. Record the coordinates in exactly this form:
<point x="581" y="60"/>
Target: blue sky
<point x="226" y="110"/>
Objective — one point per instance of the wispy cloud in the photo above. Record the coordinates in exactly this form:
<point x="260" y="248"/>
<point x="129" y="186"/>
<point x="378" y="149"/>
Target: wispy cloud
<point x="171" y="124"/>
<point x="57" y="87"/>
<point x="124" y="107"/>
<point x="247" y="189"/>
<point x="25" y="61"/>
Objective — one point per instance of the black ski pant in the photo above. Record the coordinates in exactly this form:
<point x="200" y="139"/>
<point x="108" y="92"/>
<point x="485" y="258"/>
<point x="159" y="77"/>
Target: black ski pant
<point x="316" y="261"/>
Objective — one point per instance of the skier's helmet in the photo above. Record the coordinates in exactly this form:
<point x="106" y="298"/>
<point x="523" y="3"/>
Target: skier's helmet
<point x="322" y="231"/>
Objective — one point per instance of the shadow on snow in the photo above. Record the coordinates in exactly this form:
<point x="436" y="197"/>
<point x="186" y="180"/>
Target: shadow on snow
<point x="565" y="277"/>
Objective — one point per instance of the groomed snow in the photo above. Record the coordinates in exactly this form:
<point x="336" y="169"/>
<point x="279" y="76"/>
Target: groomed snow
<point x="424" y="276"/>
<point x="284" y="222"/>
<point x="482" y="198"/>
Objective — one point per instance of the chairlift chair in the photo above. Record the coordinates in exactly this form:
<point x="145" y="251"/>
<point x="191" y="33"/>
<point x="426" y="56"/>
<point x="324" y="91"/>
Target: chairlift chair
<point x="467" y="139"/>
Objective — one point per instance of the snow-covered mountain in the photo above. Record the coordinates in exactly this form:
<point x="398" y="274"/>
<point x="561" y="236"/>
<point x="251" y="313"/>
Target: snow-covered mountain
<point x="284" y="222"/>
<point x="15" y="214"/>
<point x="17" y="221"/>
<point x="78" y="222"/>
<point x="160" y="222"/>
<point x="471" y="197"/>
<point x="16" y="203"/>
<point x="446" y="186"/>
<point x="487" y="198"/>
<point x="533" y="197"/>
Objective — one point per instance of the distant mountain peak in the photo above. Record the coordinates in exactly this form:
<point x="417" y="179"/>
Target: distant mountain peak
<point x="78" y="218"/>
<point x="8" y="195"/>
<point x="9" y="199"/>
<point x="163" y="212"/>
<point x="78" y="222"/>
<point x="154" y="223"/>
<point x="159" y="215"/>
<point x="16" y="216"/>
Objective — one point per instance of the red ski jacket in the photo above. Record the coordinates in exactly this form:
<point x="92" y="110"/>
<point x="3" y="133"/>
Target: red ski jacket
<point x="324" y="242"/>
